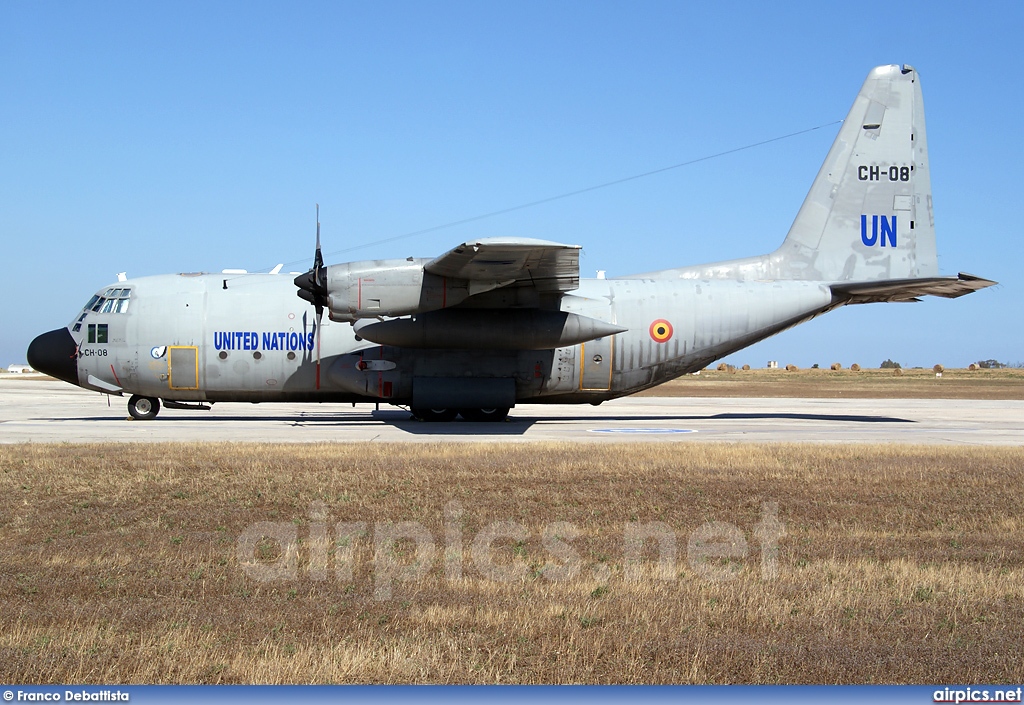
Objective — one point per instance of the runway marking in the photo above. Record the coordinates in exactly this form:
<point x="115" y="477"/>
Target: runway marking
<point x="642" y="430"/>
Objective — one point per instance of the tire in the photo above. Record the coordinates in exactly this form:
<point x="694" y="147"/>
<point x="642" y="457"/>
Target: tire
<point x="435" y="414"/>
<point x="485" y="415"/>
<point x="143" y="408"/>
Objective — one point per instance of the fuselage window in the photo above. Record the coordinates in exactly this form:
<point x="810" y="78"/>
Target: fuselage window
<point x="97" y="333"/>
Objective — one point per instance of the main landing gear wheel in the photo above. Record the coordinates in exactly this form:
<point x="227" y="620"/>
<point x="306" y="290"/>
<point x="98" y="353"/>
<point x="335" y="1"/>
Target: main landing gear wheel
<point x="143" y="408"/>
<point x="498" y="414"/>
<point x="435" y="414"/>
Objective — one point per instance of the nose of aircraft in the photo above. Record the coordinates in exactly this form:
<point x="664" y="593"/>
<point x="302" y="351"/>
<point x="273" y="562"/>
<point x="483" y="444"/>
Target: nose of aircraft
<point x="55" y="353"/>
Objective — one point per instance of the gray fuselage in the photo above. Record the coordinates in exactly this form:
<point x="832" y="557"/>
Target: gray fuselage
<point x="229" y="337"/>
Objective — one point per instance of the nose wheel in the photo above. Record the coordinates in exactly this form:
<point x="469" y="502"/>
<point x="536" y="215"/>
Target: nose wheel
<point x="143" y="408"/>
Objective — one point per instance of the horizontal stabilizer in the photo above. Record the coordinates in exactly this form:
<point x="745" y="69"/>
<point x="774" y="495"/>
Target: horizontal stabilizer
<point x="887" y="290"/>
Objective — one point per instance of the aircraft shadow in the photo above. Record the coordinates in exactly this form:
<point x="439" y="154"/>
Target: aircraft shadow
<point x="404" y="421"/>
<point x="852" y="418"/>
<point x="401" y="420"/>
<point x="515" y="425"/>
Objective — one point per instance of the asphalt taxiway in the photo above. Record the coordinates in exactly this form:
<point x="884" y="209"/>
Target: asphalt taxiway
<point x="42" y="411"/>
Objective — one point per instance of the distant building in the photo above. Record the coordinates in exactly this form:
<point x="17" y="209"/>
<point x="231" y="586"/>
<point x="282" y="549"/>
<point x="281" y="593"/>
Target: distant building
<point x="19" y="369"/>
<point x="773" y="364"/>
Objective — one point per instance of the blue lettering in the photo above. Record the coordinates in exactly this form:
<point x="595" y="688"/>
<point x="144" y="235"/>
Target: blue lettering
<point x="888" y="231"/>
<point x="864" y="230"/>
<point x="280" y="340"/>
<point x="878" y="236"/>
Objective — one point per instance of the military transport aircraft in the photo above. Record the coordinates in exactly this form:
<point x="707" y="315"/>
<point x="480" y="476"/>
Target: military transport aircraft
<point x="495" y="322"/>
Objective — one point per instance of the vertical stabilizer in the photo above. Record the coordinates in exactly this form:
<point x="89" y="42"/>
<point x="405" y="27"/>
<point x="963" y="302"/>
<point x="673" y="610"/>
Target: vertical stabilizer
<point x="868" y="215"/>
<point x="866" y="228"/>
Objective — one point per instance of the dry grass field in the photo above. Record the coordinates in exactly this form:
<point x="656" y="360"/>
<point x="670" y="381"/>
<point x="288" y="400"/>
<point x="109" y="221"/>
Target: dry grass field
<point x="863" y="384"/>
<point x="852" y="564"/>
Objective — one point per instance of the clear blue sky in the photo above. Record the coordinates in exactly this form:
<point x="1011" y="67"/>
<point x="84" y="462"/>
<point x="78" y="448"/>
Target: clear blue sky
<point x="154" y="138"/>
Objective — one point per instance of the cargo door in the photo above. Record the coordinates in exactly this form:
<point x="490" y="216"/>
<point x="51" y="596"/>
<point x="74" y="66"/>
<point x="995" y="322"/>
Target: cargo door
<point x="596" y="358"/>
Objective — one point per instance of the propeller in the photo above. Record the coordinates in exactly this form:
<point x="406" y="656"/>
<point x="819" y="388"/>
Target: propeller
<point x="313" y="288"/>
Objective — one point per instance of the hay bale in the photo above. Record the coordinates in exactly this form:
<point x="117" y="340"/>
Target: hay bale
<point x="836" y="366"/>
<point x="746" y="368"/>
<point x="855" y="367"/>
<point x="938" y="369"/>
<point x="973" y="366"/>
<point x="791" y="368"/>
<point x="897" y="372"/>
<point x="722" y="367"/>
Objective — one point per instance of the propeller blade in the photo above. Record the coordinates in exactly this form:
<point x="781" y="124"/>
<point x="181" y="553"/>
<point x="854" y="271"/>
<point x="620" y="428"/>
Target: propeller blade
<point x="319" y="315"/>
<point x="320" y="293"/>
<point x="318" y="258"/>
<point x="313" y="288"/>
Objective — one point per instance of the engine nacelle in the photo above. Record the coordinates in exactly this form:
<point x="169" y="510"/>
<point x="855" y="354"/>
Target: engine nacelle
<point x="389" y="288"/>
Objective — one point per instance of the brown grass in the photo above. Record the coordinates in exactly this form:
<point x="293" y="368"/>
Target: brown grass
<point x="852" y="384"/>
<point x="898" y="564"/>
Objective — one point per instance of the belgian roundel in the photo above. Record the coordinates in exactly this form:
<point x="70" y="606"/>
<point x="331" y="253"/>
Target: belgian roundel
<point x="661" y="331"/>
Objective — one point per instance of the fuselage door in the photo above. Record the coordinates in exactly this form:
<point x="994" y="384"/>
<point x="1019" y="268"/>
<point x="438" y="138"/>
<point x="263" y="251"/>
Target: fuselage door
<point x="596" y="358"/>
<point x="183" y="367"/>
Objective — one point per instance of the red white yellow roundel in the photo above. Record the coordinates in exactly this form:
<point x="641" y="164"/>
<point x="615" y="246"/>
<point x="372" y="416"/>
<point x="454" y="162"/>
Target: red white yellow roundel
<point x="661" y="331"/>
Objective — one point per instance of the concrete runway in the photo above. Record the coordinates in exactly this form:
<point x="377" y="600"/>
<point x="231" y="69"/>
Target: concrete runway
<point x="40" y="411"/>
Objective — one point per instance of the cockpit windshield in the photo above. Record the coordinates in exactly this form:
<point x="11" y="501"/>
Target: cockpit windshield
<point x="113" y="300"/>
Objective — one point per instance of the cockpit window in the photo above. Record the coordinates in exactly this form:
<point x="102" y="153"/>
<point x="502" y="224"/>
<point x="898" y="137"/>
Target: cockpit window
<point x="112" y="301"/>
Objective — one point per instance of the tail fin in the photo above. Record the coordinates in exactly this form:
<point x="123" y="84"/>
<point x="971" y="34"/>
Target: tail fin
<point x="866" y="227"/>
<point x="868" y="215"/>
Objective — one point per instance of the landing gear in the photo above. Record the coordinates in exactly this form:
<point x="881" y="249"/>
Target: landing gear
<point x="143" y="408"/>
<point x="492" y="415"/>
<point x="435" y="414"/>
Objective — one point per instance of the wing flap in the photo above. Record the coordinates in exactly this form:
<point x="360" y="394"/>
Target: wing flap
<point x="547" y="266"/>
<point x="890" y="290"/>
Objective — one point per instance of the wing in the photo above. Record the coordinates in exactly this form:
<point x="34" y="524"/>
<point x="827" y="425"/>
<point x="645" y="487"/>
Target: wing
<point x="548" y="266"/>
<point x="908" y="289"/>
